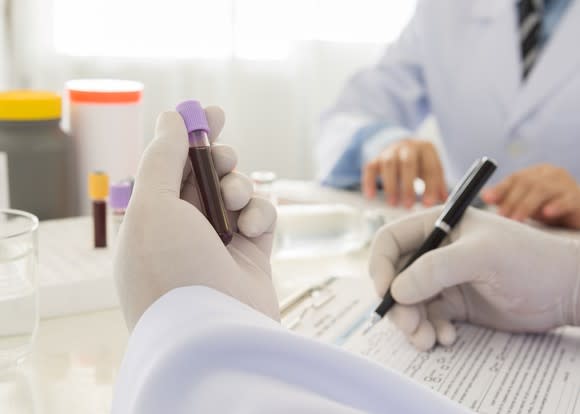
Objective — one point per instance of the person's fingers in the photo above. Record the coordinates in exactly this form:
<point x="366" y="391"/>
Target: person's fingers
<point x="444" y="193"/>
<point x="162" y="165"/>
<point x="495" y="195"/>
<point x="413" y="322"/>
<point x="433" y="272"/>
<point x="445" y="331"/>
<point x="441" y="313"/>
<point x="488" y="195"/>
<point x="389" y="170"/>
<point x="394" y="241"/>
<point x="369" y="177"/>
<point x="237" y="189"/>
<point x="513" y="197"/>
<point x="406" y="318"/>
<point x="432" y="175"/>
<point x="531" y="203"/>
<point x="258" y="221"/>
<point x="408" y="170"/>
<point x="216" y="119"/>
<point x="561" y="206"/>
<point x="224" y="159"/>
<point x="257" y="217"/>
<point x="564" y="211"/>
<point x="382" y="272"/>
<point x="424" y="337"/>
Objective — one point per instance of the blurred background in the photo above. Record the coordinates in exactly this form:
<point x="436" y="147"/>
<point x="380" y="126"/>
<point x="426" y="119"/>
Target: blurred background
<point x="273" y="65"/>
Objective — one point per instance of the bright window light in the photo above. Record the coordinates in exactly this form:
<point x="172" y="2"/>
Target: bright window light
<point x="267" y="28"/>
<point x="262" y="29"/>
<point x="143" y="28"/>
<point x="247" y="29"/>
<point x="358" y="21"/>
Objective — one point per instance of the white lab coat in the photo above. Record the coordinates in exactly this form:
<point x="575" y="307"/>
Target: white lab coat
<point x="196" y="350"/>
<point x="460" y="61"/>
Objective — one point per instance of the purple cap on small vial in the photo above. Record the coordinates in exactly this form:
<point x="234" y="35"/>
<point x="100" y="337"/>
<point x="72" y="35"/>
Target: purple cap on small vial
<point x="120" y="194"/>
<point x="193" y="115"/>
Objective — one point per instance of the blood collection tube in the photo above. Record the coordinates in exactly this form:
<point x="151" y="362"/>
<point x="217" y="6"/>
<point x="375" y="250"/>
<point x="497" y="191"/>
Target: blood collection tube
<point x="205" y="174"/>
<point x="98" y="192"/>
<point x="118" y="201"/>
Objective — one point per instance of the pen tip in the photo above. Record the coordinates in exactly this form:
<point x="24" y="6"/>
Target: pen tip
<point x="372" y="322"/>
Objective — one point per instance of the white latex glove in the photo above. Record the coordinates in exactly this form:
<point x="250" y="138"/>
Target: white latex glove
<point x="165" y="241"/>
<point x="492" y="272"/>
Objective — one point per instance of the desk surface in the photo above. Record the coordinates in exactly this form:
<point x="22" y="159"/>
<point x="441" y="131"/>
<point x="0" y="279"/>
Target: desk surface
<point x="75" y="359"/>
<point x="71" y="369"/>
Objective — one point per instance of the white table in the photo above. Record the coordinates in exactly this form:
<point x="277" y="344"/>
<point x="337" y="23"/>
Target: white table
<point x="72" y="367"/>
<point x="75" y="359"/>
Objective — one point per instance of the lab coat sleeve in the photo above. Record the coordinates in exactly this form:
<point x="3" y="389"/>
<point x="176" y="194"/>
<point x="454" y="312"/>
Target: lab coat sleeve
<point x="389" y="99"/>
<point x="196" y="350"/>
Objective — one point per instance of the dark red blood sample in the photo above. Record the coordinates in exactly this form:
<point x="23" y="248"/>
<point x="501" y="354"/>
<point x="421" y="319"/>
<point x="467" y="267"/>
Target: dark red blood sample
<point x="100" y="222"/>
<point x="209" y="191"/>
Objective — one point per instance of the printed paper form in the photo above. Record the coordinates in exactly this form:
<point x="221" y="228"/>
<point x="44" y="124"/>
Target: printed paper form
<point x="488" y="371"/>
<point x="330" y="311"/>
<point x="485" y="370"/>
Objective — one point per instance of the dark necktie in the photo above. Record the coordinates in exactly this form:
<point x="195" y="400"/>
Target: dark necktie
<point x="530" y="23"/>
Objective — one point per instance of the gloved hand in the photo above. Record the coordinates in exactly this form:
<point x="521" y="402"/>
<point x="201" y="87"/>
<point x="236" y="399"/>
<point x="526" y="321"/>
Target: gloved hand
<point x="165" y="241"/>
<point x="491" y="271"/>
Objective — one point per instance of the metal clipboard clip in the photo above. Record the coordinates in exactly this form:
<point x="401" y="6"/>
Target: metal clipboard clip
<point x="296" y="308"/>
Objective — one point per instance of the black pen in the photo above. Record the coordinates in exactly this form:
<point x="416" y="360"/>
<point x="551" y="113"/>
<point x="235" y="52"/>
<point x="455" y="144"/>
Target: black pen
<point x="456" y="204"/>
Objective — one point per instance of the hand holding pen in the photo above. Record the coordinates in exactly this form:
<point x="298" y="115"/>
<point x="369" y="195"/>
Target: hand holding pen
<point x="455" y="207"/>
<point x="490" y="271"/>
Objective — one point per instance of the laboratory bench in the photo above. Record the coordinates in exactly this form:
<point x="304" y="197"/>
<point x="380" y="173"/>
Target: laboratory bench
<point x="82" y="335"/>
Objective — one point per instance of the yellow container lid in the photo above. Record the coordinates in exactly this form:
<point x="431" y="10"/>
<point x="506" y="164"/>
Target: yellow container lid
<point x="98" y="185"/>
<point x="27" y="105"/>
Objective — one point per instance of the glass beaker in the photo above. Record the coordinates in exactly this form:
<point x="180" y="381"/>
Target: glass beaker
<point x="18" y="285"/>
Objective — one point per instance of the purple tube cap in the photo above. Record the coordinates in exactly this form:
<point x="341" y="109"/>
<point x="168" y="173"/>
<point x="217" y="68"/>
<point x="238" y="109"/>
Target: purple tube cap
<point x="193" y="115"/>
<point x="120" y="194"/>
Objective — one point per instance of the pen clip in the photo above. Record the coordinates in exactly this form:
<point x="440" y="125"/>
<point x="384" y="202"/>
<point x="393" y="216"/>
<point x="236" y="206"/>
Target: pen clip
<point x="312" y="299"/>
<point x="461" y="185"/>
<point x="463" y="182"/>
<point x="302" y="296"/>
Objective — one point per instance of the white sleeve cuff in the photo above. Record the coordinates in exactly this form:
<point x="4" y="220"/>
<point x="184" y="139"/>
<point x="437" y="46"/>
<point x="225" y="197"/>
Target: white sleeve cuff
<point x="196" y="350"/>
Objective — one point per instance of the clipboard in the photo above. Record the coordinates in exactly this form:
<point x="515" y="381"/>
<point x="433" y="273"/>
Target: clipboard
<point x="330" y="311"/>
